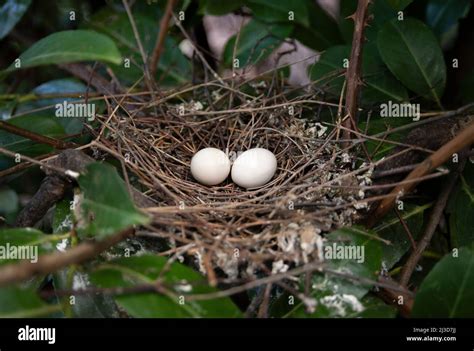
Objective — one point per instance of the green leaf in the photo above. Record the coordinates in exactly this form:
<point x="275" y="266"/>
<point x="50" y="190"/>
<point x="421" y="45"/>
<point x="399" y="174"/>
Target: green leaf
<point x="8" y="201"/>
<point x="380" y="84"/>
<point x="57" y="86"/>
<point x="179" y="279"/>
<point x="25" y="243"/>
<point x="40" y="125"/>
<point x="70" y="46"/>
<point x="10" y="13"/>
<point x="412" y="53"/>
<point x="106" y="206"/>
<point x="23" y="302"/>
<point x="448" y="290"/>
<point x="392" y="230"/>
<point x="346" y="24"/>
<point x="85" y="305"/>
<point x="399" y="4"/>
<point x="63" y="217"/>
<point x="443" y="17"/>
<point x="461" y="208"/>
<point x="339" y="296"/>
<point x="321" y="33"/>
<point x="219" y="7"/>
<point x="329" y="71"/>
<point x="279" y="10"/>
<point x="44" y="125"/>
<point x="374" y="308"/>
<point x="173" y="67"/>
<point x="381" y="11"/>
<point x="256" y="42"/>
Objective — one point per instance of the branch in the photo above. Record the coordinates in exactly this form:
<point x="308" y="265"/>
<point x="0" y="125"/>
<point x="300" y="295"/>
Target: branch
<point x="16" y="273"/>
<point x="42" y="139"/>
<point x="463" y="139"/>
<point x="160" y="41"/>
<point x="88" y="75"/>
<point x="353" y="74"/>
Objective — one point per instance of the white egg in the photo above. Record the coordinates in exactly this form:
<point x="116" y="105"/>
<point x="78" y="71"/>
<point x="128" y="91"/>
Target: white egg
<point x="254" y="167"/>
<point x="210" y="166"/>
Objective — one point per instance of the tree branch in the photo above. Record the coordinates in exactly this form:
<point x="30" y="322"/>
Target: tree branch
<point x="15" y="273"/>
<point x="462" y="140"/>
<point x="433" y="222"/>
<point x="353" y="74"/>
<point x="160" y="41"/>
<point x="42" y="139"/>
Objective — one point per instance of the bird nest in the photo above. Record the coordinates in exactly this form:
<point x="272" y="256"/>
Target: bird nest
<point x="229" y="232"/>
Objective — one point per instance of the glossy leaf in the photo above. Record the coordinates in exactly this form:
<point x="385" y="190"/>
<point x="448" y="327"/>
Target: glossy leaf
<point x="106" y="207"/>
<point x="180" y="280"/>
<point x="392" y="230"/>
<point x="448" y="290"/>
<point x="412" y="53"/>
<point x="10" y="13"/>
<point x="280" y="10"/>
<point x="381" y="11"/>
<point x="30" y="243"/>
<point x="57" y="87"/>
<point x="9" y="201"/>
<point x="380" y="84"/>
<point x="44" y="125"/>
<point x="85" y="305"/>
<point x="173" y="67"/>
<point x="70" y="46"/>
<point x="256" y="42"/>
<point x="340" y="296"/>
<point x="322" y="31"/>
<point x="23" y="302"/>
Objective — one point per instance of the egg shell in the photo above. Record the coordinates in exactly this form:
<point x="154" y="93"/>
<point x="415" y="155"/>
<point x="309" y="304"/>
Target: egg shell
<point x="210" y="166"/>
<point x="254" y="168"/>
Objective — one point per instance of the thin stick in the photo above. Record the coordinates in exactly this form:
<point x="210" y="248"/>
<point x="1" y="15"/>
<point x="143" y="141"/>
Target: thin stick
<point x="160" y="41"/>
<point x="15" y="273"/>
<point x="66" y="172"/>
<point x="462" y="140"/>
<point x="42" y="139"/>
<point x="353" y="75"/>
<point x="433" y="222"/>
<point x="140" y="45"/>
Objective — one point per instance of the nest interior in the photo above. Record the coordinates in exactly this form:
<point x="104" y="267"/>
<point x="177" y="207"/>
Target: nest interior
<point x="227" y="229"/>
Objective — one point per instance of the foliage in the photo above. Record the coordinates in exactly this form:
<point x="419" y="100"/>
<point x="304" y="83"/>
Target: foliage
<point x="405" y="59"/>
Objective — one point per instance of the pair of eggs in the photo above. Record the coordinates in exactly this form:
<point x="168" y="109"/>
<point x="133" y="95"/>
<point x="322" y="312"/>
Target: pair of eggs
<point x="253" y="168"/>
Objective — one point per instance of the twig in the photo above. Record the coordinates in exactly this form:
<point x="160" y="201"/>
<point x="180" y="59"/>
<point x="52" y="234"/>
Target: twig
<point x="87" y="74"/>
<point x="148" y="80"/>
<point x="160" y="41"/>
<point x="63" y="171"/>
<point x="42" y="139"/>
<point x="400" y="298"/>
<point x="263" y="310"/>
<point x="462" y="140"/>
<point x="433" y="222"/>
<point x="15" y="273"/>
<point x="407" y="230"/>
<point x="353" y="75"/>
